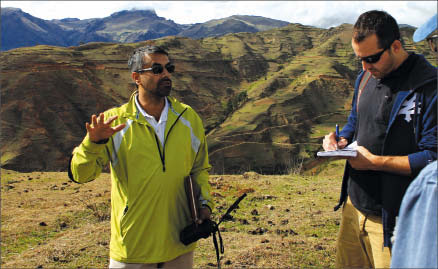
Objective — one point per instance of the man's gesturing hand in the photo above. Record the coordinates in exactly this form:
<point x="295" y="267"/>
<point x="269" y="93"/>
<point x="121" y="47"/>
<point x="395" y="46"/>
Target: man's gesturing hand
<point x="101" y="129"/>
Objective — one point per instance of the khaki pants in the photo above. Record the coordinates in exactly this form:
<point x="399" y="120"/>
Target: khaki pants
<point x="360" y="240"/>
<point x="184" y="261"/>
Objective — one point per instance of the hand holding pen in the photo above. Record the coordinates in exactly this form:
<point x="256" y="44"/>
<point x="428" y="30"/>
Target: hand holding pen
<point x="334" y="141"/>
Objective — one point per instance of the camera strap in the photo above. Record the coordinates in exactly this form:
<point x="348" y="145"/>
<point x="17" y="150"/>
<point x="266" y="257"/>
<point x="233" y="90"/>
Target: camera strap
<point x="216" y="247"/>
<point x="216" y="229"/>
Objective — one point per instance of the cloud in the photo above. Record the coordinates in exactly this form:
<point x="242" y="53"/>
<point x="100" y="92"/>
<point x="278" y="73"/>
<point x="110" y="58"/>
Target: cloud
<point x="323" y="14"/>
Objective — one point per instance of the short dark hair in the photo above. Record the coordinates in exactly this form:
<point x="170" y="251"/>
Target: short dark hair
<point x="376" y="22"/>
<point x="136" y="61"/>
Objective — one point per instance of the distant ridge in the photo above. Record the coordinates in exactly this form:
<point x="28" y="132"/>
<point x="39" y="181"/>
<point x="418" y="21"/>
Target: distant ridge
<point x="232" y="24"/>
<point x="20" y="29"/>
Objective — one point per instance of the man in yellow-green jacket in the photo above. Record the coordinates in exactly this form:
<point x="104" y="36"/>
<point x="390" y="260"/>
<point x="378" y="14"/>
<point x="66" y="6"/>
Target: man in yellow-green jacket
<point x="152" y="143"/>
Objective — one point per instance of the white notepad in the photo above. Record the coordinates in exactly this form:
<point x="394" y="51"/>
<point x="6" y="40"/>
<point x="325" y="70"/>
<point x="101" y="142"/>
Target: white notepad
<point x="348" y="151"/>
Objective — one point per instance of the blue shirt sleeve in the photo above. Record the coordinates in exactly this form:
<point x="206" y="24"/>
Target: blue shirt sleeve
<point x="415" y="243"/>
<point x="349" y="129"/>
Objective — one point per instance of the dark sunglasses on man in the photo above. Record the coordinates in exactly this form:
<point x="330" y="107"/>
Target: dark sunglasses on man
<point x="372" y="59"/>
<point x="158" y="68"/>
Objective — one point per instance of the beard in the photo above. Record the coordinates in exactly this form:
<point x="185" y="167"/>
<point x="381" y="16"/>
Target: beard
<point x="376" y="73"/>
<point x="164" y="86"/>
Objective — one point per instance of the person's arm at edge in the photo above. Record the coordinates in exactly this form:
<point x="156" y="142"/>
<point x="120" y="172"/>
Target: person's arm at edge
<point x="428" y="141"/>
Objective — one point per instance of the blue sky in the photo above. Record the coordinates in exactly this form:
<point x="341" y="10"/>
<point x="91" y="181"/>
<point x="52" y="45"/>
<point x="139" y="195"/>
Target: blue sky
<point x="323" y="14"/>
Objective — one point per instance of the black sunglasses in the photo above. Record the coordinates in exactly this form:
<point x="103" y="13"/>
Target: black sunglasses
<point x="158" y="68"/>
<point x="373" y="58"/>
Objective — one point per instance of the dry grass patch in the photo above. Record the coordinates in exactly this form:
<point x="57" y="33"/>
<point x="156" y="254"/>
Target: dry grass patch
<point x="44" y="214"/>
<point x="285" y="221"/>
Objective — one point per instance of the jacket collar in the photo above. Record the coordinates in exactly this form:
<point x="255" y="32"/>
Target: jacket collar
<point x="131" y="111"/>
<point x="411" y="74"/>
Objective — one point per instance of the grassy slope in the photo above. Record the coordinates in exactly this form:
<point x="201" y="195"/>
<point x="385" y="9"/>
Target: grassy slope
<point x="78" y="232"/>
<point x="302" y="97"/>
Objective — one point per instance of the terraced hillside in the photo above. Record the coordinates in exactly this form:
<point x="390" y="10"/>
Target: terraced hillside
<point x="266" y="98"/>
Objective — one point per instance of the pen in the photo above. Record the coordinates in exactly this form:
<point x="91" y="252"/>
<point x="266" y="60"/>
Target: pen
<point x="337" y="132"/>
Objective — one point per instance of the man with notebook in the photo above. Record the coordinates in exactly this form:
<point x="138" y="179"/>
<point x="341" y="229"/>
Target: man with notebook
<point x="393" y="120"/>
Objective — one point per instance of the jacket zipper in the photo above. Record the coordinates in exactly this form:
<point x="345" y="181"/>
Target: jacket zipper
<point x="162" y="154"/>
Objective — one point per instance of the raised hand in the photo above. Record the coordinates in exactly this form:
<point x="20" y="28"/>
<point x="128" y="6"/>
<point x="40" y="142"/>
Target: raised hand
<point x="101" y="129"/>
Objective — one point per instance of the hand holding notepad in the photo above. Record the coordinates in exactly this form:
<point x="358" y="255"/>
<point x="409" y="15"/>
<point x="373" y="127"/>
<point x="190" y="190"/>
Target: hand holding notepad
<point x="348" y="151"/>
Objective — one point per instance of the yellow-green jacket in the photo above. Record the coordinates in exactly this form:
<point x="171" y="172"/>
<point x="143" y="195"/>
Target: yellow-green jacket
<point x="148" y="200"/>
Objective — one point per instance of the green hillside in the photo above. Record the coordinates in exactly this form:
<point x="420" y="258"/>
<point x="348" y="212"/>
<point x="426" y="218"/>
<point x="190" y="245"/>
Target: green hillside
<point x="266" y="98"/>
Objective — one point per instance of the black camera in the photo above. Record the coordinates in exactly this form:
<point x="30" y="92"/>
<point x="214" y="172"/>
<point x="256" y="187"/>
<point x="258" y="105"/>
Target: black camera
<point x="193" y="232"/>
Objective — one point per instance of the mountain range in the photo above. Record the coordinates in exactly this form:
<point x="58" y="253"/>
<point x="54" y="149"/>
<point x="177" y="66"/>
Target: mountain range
<point x="21" y="29"/>
<point x="266" y="98"/>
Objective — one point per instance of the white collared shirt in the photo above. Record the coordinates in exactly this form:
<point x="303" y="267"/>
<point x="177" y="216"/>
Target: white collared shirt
<point x="159" y="126"/>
